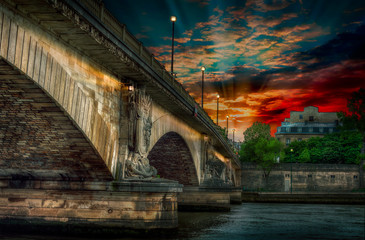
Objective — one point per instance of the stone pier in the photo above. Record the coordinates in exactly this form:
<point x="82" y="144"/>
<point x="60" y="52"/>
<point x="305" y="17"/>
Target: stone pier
<point x="204" y="199"/>
<point x="97" y="206"/>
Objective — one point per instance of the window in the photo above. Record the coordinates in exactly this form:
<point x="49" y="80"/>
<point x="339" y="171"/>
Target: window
<point x="316" y="129"/>
<point x="300" y="116"/>
<point x="310" y="176"/>
<point x="293" y="129"/>
<point x="283" y="129"/>
<point x="287" y="141"/>
<point x="299" y="139"/>
<point x="355" y="176"/>
<point x="332" y="176"/>
<point x="305" y="129"/>
<point x="311" y="118"/>
<point x="287" y="175"/>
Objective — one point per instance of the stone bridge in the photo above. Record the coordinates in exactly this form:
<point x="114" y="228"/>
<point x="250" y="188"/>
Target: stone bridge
<point x="84" y="107"/>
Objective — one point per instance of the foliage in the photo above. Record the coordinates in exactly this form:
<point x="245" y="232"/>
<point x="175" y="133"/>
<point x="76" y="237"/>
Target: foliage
<point x="268" y="153"/>
<point x="356" y="117"/>
<point x="256" y="131"/>
<point x="259" y="147"/>
<point x="356" y="120"/>
<point x="252" y="135"/>
<point x="304" y="156"/>
<point x="342" y="147"/>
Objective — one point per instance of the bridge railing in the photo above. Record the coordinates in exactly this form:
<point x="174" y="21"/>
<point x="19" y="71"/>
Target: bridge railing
<point x="96" y="7"/>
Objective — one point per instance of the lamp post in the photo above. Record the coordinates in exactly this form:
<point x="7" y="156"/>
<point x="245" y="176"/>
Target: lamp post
<point x="203" y="69"/>
<point x="173" y="20"/>
<point x="291" y="171"/>
<point x="217" y="107"/>
<point x="227" y="125"/>
<point x="233" y="130"/>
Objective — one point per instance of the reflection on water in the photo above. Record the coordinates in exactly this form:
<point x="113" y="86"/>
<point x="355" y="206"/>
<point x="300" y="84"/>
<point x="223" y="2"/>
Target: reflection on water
<point x="260" y="221"/>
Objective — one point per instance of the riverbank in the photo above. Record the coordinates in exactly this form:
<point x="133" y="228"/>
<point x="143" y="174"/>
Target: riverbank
<point x="304" y="197"/>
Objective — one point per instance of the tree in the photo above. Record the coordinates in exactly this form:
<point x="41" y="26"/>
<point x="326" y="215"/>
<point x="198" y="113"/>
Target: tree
<point x="252" y="135"/>
<point x="256" y="131"/>
<point x="304" y="156"/>
<point x="355" y="119"/>
<point x="342" y="147"/>
<point x="259" y="147"/>
<point x="268" y="152"/>
<point x="298" y="147"/>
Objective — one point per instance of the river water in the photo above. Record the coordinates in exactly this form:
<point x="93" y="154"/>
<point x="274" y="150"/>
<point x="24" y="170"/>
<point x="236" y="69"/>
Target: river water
<point x="258" y="221"/>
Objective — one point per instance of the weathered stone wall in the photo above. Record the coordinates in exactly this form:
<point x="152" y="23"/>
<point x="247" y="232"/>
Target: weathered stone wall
<point x="88" y="94"/>
<point x="37" y="140"/>
<point x="204" y="199"/>
<point x="304" y="177"/>
<point x="93" y="205"/>
<point x="172" y="159"/>
<point x="164" y="122"/>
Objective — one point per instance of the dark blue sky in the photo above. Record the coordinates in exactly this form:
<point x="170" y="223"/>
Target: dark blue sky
<point x="264" y="58"/>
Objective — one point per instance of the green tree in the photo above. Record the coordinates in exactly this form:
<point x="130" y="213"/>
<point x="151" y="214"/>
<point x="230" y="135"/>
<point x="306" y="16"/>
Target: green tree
<point x="304" y="156"/>
<point x="268" y="152"/>
<point x="259" y="147"/>
<point x="342" y="147"/>
<point x="252" y="135"/>
<point x="256" y="131"/>
<point x="355" y="119"/>
<point x="298" y="147"/>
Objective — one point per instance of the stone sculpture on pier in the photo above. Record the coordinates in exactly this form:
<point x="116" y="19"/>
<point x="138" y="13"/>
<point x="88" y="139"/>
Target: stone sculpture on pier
<point x="139" y="133"/>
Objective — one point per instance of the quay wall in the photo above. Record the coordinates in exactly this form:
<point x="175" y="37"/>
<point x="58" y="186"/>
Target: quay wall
<point x="299" y="177"/>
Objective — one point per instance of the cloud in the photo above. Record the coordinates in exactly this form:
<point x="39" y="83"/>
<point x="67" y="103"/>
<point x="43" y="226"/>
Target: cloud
<point x="261" y="65"/>
<point x="345" y="46"/>
<point x="265" y="6"/>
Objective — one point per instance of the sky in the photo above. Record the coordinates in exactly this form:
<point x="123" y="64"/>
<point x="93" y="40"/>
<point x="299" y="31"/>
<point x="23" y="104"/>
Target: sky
<point x="264" y="58"/>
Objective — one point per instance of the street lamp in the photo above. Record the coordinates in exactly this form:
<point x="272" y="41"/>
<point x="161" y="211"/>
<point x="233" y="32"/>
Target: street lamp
<point x="227" y="125"/>
<point x="291" y="170"/>
<point x="217" y="107"/>
<point x="203" y="69"/>
<point x="233" y="130"/>
<point x="173" y="20"/>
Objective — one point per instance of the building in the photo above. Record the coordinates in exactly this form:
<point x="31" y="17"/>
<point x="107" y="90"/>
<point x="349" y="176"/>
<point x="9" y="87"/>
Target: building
<point x="306" y="124"/>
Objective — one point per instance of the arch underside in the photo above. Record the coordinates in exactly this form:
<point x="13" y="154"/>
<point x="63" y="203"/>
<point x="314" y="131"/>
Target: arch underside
<point x="37" y="138"/>
<point x="172" y="159"/>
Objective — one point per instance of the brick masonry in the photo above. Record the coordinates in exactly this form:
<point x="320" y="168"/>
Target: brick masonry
<point x="172" y="159"/>
<point x="37" y="139"/>
<point x="85" y="93"/>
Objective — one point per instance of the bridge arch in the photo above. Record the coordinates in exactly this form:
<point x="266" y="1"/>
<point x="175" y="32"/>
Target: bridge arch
<point x="83" y="91"/>
<point x="38" y="140"/>
<point x="173" y="160"/>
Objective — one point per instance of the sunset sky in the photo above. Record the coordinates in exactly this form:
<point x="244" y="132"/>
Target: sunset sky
<point x="264" y="58"/>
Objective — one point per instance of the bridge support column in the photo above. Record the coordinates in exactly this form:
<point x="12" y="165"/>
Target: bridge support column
<point x="236" y="195"/>
<point x="88" y="206"/>
<point x="204" y="199"/>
